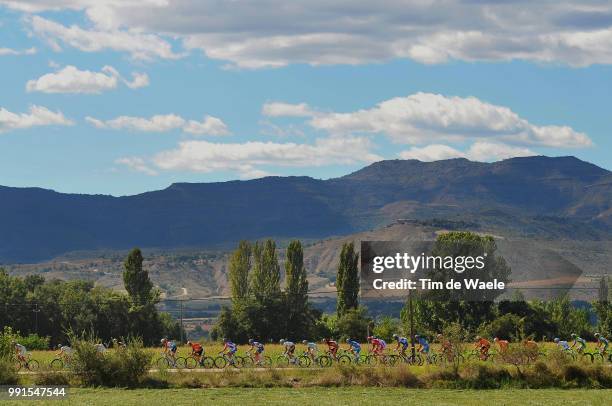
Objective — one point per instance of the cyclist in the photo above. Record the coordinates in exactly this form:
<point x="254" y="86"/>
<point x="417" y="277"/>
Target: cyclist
<point x="332" y="346"/>
<point x="231" y="349"/>
<point x="602" y="343"/>
<point x="65" y="351"/>
<point x="483" y="345"/>
<point x="401" y="342"/>
<point x="503" y="345"/>
<point x="354" y="347"/>
<point x="258" y="348"/>
<point x="447" y="347"/>
<point x="20" y="351"/>
<point x="423" y="346"/>
<point x="378" y="345"/>
<point x="170" y="348"/>
<point x="289" y="348"/>
<point x="563" y="344"/>
<point x="311" y="349"/>
<point x="196" y="351"/>
<point x="580" y="342"/>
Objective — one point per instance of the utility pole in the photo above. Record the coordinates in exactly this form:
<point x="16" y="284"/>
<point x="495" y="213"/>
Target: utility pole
<point x="181" y="303"/>
<point x="36" y="310"/>
<point x="412" y="349"/>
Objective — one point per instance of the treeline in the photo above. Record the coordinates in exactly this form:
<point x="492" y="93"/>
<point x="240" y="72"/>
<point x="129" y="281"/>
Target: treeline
<point x="53" y="308"/>
<point x="265" y="310"/>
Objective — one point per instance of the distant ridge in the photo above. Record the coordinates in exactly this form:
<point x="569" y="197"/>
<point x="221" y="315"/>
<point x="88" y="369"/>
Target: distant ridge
<point x="544" y="196"/>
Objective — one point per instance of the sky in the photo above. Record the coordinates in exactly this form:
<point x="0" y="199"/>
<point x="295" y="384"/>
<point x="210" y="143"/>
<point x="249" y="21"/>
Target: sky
<point x="123" y="96"/>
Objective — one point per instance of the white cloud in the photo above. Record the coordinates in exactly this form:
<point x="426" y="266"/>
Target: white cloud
<point x="10" y="51"/>
<point x="137" y="164"/>
<point x="138" y="44"/>
<point x="247" y="159"/>
<point x="162" y="123"/>
<point x="278" y="109"/>
<point x="72" y="80"/>
<point x="427" y="117"/>
<point x="479" y="151"/>
<point x="273" y="33"/>
<point x="37" y="116"/>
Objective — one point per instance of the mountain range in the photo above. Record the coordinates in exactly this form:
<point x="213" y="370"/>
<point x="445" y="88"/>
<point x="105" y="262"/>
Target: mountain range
<point x="543" y="197"/>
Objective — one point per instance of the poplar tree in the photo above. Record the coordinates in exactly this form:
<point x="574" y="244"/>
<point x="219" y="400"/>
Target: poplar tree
<point x="239" y="266"/>
<point x="347" y="280"/>
<point x="136" y="279"/>
<point x="296" y="289"/>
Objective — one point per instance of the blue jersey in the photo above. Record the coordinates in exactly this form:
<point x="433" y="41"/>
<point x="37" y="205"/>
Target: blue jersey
<point x="581" y="341"/>
<point x="403" y="341"/>
<point x="354" y="345"/>
<point x="231" y="346"/>
<point x="603" y="340"/>
<point x="564" y="345"/>
<point x="423" y="342"/>
<point x="383" y="344"/>
<point x="259" y="346"/>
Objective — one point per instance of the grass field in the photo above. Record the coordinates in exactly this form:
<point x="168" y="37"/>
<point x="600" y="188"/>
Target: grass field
<point x="335" y="396"/>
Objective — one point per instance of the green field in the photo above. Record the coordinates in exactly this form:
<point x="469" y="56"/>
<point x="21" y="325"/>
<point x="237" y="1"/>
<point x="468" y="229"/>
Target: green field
<point x="335" y="396"/>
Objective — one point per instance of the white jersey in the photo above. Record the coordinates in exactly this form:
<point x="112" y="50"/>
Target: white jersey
<point x="21" y="349"/>
<point x="100" y="348"/>
<point x="288" y="344"/>
<point x="66" y="350"/>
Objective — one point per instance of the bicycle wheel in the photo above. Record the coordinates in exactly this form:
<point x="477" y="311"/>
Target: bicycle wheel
<point x="17" y="365"/>
<point x="57" y="364"/>
<point x="180" y="363"/>
<point x="220" y="362"/>
<point x="207" y="362"/>
<point x="325" y="361"/>
<point x="33" y="365"/>
<point x="391" y="359"/>
<point x="304" y="361"/>
<point x="598" y="357"/>
<point x="246" y="362"/>
<point x="371" y="360"/>
<point x="587" y="357"/>
<point x="266" y="362"/>
<point x="282" y="361"/>
<point x="344" y="360"/>
<point x="416" y="360"/>
<point x="191" y="362"/>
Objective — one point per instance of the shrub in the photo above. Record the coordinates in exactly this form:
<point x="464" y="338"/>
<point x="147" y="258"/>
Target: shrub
<point x="8" y="374"/>
<point x="125" y="367"/>
<point x="51" y="378"/>
<point x="34" y="342"/>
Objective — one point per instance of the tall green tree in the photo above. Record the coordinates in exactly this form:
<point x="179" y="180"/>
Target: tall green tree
<point x="298" y="319"/>
<point x="347" y="279"/>
<point x="265" y="278"/>
<point x="136" y="279"/>
<point x="239" y="266"/>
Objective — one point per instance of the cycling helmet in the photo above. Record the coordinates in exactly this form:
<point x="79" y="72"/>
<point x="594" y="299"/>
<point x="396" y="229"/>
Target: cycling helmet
<point x="573" y="335"/>
<point x="251" y="341"/>
<point x="370" y="338"/>
<point x="163" y="340"/>
<point x="304" y="341"/>
<point x="348" y="340"/>
<point x="59" y="346"/>
<point x="13" y="342"/>
<point x="395" y="336"/>
<point x="496" y="339"/>
<point x="556" y="340"/>
<point x="416" y="336"/>
<point x="596" y="334"/>
<point x="477" y="338"/>
<point x="439" y="336"/>
<point x="282" y="341"/>
<point x="188" y="342"/>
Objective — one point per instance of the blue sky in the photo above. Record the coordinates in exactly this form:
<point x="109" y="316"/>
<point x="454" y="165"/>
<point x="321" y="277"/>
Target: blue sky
<point x="302" y="90"/>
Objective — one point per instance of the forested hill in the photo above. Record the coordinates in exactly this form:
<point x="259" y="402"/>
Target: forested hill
<point x="542" y="196"/>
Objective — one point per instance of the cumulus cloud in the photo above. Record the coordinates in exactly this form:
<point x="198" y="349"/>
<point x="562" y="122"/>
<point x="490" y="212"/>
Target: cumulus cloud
<point x="423" y="117"/>
<point x="271" y="33"/>
<point x="479" y="151"/>
<point x="163" y="123"/>
<point x="37" y="116"/>
<point x="10" y="51"/>
<point x="278" y="109"/>
<point x="139" y="45"/>
<point x="249" y="159"/>
<point x="137" y="164"/>
<point x="72" y="80"/>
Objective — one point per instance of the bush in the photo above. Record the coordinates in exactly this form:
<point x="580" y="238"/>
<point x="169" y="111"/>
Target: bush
<point x="354" y="323"/>
<point x="386" y="327"/>
<point x="45" y="378"/>
<point x="8" y="374"/>
<point x="125" y="367"/>
<point x="34" y="342"/>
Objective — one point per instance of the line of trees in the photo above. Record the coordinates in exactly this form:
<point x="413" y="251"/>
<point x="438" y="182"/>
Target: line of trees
<point x="33" y="305"/>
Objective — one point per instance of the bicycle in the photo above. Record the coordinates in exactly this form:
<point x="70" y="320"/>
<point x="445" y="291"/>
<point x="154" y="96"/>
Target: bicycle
<point x="383" y="359"/>
<point x="284" y="360"/>
<point x="250" y="361"/>
<point x="166" y="361"/>
<point x="225" y="360"/>
<point x="478" y="355"/>
<point x="407" y="358"/>
<point x="191" y="362"/>
<point x="58" y="364"/>
<point x="29" y="363"/>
